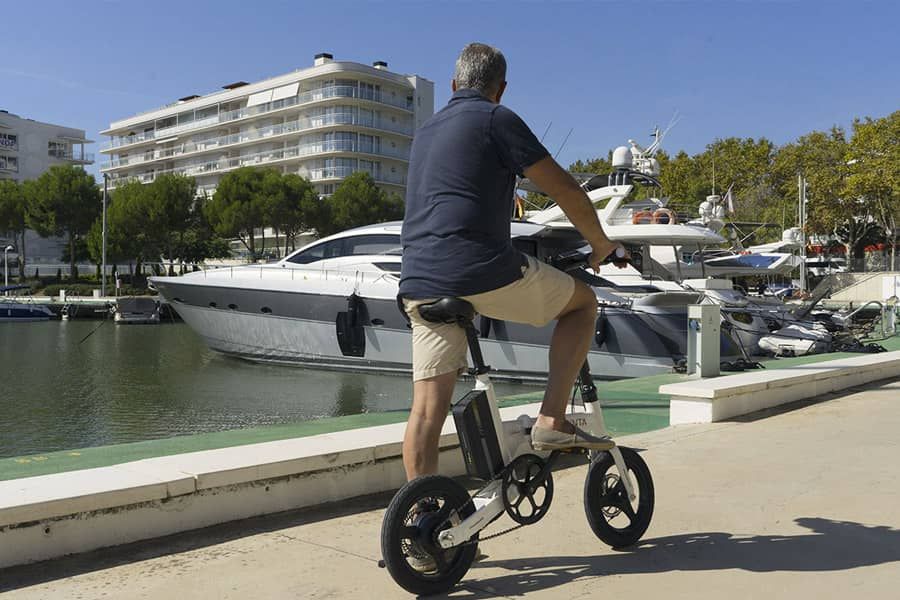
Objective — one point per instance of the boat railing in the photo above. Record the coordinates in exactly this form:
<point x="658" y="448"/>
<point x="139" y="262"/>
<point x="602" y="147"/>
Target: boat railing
<point x="273" y="272"/>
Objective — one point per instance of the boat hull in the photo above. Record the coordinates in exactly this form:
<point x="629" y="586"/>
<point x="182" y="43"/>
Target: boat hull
<point x="304" y="329"/>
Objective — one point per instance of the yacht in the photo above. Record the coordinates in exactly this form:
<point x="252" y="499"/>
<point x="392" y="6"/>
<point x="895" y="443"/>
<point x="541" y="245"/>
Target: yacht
<point x="333" y="304"/>
<point x="19" y="309"/>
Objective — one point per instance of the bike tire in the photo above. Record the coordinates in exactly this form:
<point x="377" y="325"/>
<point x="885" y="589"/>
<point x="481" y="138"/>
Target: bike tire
<point x="602" y="500"/>
<point x="399" y="529"/>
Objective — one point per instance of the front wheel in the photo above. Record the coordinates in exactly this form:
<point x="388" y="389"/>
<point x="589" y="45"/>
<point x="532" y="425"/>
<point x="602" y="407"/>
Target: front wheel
<point x="613" y="517"/>
<point x="418" y="513"/>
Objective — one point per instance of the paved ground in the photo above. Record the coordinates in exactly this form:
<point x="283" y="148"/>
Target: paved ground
<point x="800" y="503"/>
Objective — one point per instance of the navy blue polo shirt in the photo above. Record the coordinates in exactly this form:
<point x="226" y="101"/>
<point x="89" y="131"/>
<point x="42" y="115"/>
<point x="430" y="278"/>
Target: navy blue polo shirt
<point x="459" y="199"/>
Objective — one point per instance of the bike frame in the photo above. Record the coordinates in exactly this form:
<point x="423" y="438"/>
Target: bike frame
<point x="488" y="501"/>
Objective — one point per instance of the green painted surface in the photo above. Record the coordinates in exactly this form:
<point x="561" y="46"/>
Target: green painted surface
<point x="629" y="406"/>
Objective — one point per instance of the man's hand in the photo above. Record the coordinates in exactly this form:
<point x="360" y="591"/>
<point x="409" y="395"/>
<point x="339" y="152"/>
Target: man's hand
<point x="608" y="251"/>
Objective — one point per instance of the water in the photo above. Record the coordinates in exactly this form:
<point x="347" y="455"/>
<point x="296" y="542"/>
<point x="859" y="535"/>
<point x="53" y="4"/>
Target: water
<point x="134" y="382"/>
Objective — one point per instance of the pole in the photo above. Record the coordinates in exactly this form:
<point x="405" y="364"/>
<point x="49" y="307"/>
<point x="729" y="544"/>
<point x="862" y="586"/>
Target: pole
<point x="801" y="183"/>
<point x="103" y="257"/>
<point x="5" y="269"/>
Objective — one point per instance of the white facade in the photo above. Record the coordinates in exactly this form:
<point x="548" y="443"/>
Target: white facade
<point x="29" y="147"/>
<point x="323" y="123"/>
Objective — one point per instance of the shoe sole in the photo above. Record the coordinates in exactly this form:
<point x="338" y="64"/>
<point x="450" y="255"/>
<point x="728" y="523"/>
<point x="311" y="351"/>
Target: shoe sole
<point x="587" y="446"/>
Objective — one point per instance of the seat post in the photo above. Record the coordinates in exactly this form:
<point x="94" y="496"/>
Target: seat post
<point x="474" y="348"/>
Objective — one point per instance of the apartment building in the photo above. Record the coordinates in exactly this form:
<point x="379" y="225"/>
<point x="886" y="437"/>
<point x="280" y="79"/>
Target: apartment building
<point x="323" y="122"/>
<point x="29" y="147"/>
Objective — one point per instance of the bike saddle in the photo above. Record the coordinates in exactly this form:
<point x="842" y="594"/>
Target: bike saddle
<point x="448" y="310"/>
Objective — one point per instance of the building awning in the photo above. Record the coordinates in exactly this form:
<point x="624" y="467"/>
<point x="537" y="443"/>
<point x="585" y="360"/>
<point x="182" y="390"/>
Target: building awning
<point x="285" y="91"/>
<point x="260" y="98"/>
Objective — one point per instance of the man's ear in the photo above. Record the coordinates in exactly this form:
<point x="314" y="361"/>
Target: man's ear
<point x="453" y="85"/>
<point x="500" y="92"/>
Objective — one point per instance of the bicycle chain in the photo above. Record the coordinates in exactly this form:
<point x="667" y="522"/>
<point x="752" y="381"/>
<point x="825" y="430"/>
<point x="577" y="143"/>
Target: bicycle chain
<point x="492" y="536"/>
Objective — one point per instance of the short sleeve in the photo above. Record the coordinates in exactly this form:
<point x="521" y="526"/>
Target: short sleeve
<point x="516" y="144"/>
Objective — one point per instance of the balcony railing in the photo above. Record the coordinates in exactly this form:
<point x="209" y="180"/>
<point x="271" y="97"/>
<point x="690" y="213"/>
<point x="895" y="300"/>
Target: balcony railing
<point x="297" y="126"/>
<point x="316" y="95"/>
<point x="70" y="155"/>
<point x="270" y="156"/>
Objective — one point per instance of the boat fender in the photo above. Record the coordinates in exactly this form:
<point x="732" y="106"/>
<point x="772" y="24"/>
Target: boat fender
<point x="600" y="328"/>
<point x="642" y="217"/>
<point x="664" y="216"/>
<point x="350" y="325"/>
<point x="485" y="327"/>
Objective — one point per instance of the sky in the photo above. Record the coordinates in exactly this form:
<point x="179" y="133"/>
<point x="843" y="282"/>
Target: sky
<point x="586" y="76"/>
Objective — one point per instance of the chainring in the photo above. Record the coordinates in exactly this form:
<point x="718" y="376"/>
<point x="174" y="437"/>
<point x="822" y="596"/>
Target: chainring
<point x="526" y="496"/>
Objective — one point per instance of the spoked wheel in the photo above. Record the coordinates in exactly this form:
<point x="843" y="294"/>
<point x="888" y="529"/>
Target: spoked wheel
<point x="615" y="518"/>
<point x="418" y="513"/>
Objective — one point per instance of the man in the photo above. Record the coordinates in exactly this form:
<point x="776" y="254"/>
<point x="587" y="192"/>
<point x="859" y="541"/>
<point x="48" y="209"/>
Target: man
<point x="456" y="243"/>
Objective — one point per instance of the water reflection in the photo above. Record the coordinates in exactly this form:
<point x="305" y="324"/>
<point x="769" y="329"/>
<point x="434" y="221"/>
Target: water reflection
<point x="130" y="383"/>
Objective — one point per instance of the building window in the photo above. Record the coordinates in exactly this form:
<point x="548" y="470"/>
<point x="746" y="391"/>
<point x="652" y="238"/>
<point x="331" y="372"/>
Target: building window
<point x="58" y="150"/>
<point x="9" y="141"/>
<point x="9" y="163"/>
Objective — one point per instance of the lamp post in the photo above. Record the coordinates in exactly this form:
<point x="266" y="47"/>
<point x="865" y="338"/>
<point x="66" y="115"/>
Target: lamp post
<point x="6" y="267"/>
<point x="103" y="252"/>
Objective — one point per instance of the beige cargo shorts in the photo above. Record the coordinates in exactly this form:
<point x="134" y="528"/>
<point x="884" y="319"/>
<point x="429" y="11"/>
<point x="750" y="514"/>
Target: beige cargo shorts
<point x="536" y="299"/>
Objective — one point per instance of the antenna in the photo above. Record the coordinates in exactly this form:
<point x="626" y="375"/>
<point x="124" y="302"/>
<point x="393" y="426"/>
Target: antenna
<point x="563" y="145"/>
<point x="546" y="131"/>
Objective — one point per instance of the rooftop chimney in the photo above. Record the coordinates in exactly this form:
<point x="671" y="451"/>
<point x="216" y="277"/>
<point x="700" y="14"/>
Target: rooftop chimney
<point x="323" y="58"/>
<point x="380" y="64"/>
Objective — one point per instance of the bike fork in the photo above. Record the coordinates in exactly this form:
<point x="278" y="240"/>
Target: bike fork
<point x="592" y="407"/>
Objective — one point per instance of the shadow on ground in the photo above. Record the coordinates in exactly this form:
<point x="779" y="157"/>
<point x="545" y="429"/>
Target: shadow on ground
<point x="829" y="546"/>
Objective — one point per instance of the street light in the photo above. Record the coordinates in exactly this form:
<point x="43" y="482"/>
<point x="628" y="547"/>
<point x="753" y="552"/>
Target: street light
<point x="6" y="267"/>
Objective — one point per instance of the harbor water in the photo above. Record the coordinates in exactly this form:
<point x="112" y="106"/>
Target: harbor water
<point x="75" y="384"/>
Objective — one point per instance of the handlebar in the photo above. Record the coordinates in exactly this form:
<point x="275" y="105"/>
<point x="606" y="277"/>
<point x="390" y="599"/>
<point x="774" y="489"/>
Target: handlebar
<point x="576" y="259"/>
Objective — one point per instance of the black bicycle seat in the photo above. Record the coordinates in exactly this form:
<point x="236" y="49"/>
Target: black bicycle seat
<point x="448" y="310"/>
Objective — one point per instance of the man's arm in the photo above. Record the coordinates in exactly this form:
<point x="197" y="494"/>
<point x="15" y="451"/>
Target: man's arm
<point x="557" y="183"/>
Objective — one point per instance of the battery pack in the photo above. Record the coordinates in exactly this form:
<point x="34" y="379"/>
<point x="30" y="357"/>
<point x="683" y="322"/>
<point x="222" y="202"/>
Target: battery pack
<point x="477" y="436"/>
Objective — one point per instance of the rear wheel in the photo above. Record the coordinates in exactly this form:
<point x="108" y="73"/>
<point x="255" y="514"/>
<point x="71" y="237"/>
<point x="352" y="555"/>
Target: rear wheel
<point x="417" y="514"/>
<point x="614" y="518"/>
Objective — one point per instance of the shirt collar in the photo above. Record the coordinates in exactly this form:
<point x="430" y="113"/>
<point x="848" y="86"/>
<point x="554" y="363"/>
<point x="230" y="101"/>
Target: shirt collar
<point x="466" y="94"/>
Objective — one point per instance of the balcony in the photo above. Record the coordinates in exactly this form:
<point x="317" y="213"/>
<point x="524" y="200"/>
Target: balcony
<point x="85" y="157"/>
<point x="297" y="126"/>
<point x="269" y="157"/>
<point x="310" y="97"/>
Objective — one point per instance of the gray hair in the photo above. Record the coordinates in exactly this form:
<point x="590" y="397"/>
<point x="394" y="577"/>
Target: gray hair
<point x="480" y="67"/>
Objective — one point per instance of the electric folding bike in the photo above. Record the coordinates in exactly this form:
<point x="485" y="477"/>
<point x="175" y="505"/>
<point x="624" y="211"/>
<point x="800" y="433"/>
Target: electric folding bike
<point x="431" y="528"/>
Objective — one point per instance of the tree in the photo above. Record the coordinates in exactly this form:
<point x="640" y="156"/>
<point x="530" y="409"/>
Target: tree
<point x="63" y="201"/>
<point x="293" y="205"/>
<point x="12" y="217"/>
<point x="358" y="201"/>
<point x="127" y="230"/>
<point x="168" y="203"/>
<point x="873" y="158"/>
<point x="238" y="207"/>
<point x="821" y="159"/>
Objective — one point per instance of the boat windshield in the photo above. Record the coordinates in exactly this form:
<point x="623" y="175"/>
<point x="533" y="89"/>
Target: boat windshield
<point x="356" y="245"/>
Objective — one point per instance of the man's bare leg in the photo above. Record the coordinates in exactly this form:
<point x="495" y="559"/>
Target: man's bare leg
<point x="568" y="348"/>
<point x="431" y="401"/>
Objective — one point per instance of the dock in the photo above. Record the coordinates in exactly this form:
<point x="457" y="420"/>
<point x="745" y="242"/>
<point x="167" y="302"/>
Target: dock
<point x="799" y="502"/>
<point x="77" y="501"/>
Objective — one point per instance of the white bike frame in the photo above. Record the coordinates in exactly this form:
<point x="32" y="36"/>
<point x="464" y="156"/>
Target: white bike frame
<point x="488" y="501"/>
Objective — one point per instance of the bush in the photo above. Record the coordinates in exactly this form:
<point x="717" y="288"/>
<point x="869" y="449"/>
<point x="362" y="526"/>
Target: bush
<point x="72" y="289"/>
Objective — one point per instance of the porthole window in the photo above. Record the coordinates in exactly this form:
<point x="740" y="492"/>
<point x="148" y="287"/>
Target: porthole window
<point x="212" y="304"/>
<point x="232" y="306"/>
<point x="266" y="309"/>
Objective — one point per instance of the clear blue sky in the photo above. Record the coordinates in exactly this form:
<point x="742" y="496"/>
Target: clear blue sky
<point x="608" y="70"/>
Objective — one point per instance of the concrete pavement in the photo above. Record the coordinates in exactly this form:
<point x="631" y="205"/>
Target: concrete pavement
<point x="790" y="504"/>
